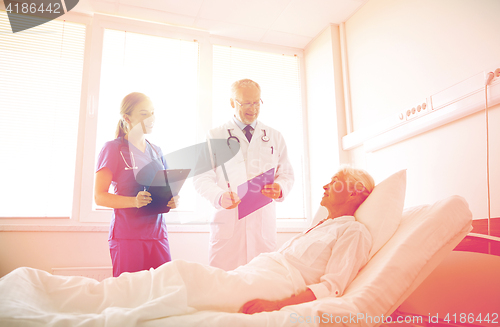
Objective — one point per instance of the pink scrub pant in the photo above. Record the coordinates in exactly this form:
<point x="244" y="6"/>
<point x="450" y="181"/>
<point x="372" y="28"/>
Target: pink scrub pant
<point x="136" y="255"/>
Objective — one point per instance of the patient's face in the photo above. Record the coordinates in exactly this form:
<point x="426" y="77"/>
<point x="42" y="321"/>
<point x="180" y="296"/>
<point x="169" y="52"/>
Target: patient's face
<point x="336" y="192"/>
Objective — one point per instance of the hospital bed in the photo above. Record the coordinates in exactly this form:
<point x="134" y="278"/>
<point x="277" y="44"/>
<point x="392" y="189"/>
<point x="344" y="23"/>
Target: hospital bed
<point x="464" y="289"/>
<point x="406" y="248"/>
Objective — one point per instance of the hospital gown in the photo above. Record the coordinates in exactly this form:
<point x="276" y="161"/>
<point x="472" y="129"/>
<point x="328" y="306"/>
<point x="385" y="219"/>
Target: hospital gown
<point x="325" y="259"/>
<point x="330" y="255"/>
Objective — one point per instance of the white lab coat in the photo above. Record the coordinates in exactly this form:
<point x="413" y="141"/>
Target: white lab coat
<point x="235" y="242"/>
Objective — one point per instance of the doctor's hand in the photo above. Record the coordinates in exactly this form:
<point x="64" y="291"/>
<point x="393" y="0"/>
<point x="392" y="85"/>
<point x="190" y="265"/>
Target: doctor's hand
<point x="272" y="191"/>
<point x="259" y="305"/>
<point x="229" y="200"/>
<point x="142" y="199"/>
<point x="174" y="202"/>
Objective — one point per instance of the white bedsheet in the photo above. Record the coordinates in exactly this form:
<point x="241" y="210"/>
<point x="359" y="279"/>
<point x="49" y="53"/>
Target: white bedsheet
<point x="31" y="297"/>
<point x="34" y="297"/>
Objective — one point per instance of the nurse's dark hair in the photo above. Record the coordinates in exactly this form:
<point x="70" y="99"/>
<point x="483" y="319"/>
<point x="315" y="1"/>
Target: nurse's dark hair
<point x="128" y="105"/>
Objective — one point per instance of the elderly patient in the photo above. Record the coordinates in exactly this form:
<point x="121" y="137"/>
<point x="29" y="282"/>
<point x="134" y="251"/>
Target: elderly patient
<point x="317" y="263"/>
<point x="330" y="254"/>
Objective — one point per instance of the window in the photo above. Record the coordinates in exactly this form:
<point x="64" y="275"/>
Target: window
<point x="279" y="78"/>
<point x="40" y="86"/>
<point x="145" y="59"/>
<point x="59" y="72"/>
<point x="164" y="69"/>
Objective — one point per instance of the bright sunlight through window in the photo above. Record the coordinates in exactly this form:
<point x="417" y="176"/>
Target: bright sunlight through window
<point x="164" y="69"/>
<point x="279" y="79"/>
<point x="40" y="86"/>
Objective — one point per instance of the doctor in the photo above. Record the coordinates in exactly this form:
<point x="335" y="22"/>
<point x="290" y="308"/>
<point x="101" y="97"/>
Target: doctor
<point x="234" y="241"/>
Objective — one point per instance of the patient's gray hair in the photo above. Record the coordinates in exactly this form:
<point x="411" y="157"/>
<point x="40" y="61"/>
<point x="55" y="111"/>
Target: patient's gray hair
<point x="359" y="177"/>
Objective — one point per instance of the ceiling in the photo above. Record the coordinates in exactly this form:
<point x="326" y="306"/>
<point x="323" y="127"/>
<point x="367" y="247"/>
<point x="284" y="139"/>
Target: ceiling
<point x="292" y="23"/>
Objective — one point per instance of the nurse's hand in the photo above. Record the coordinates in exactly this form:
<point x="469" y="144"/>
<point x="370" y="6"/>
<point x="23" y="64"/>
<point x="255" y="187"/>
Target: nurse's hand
<point x="229" y="200"/>
<point x="174" y="202"/>
<point x="272" y="191"/>
<point x="142" y="199"/>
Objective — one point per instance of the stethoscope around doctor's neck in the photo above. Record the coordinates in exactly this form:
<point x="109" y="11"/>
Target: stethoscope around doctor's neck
<point x="132" y="158"/>
<point x="264" y="137"/>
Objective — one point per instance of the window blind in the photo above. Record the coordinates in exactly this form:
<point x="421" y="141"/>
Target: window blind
<point x="40" y="88"/>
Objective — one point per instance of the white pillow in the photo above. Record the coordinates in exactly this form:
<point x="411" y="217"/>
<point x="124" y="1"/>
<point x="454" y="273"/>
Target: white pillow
<point x="382" y="211"/>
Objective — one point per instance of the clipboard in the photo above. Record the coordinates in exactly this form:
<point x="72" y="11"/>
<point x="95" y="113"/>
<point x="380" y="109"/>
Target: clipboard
<point x="165" y="185"/>
<point x="250" y="196"/>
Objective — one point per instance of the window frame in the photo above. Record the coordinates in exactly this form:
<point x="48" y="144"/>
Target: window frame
<point x="83" y="216"/>
<point x="285" y="224"/>
<point x="101" y="22"/>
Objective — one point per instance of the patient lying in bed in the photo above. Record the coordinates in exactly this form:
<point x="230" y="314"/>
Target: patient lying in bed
<point x="317" y="263"/>
<point x="329" y="255"/>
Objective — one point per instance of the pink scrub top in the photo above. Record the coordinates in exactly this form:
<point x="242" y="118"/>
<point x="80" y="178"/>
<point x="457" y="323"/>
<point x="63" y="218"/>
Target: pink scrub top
<point x="127" y="182"/>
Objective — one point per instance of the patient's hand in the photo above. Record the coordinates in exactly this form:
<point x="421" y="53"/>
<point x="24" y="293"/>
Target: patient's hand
<point x="258" y="305"/>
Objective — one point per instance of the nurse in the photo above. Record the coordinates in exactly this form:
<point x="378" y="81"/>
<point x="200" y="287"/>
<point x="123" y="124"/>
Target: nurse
<point x="135" y="242"/>
<point x="235" y="241"/>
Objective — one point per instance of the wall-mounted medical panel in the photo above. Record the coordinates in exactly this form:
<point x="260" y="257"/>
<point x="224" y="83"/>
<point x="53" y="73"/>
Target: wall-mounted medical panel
<point x="455" y="102"/>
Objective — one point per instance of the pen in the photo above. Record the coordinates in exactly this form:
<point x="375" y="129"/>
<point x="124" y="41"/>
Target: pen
<point x="225" y="176"/>
<point x="227" y="180"/>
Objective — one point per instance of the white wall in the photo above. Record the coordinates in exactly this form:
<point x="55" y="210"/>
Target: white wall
<point x="47" y="250"/>
<point x="402" y="51"/>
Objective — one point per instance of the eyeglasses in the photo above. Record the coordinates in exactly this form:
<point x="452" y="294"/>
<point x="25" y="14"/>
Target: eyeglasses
<point x="250" y="105"/>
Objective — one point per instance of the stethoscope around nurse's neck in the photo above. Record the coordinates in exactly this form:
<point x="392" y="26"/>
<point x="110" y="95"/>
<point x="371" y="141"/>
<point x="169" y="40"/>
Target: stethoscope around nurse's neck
<point x="132" y="158"/>
<point x="264" y="137"/>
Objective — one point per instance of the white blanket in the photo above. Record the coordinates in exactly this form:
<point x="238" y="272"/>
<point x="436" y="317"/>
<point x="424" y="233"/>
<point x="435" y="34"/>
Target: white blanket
<point x="31" y="297"/>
